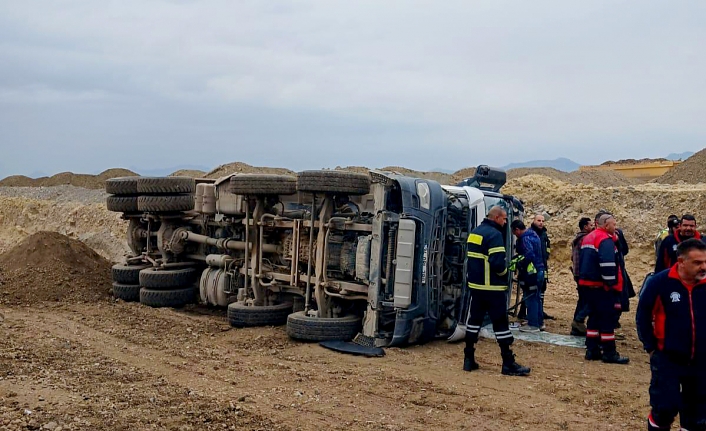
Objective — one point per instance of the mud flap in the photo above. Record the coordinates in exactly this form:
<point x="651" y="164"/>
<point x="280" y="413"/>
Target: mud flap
<point x="353" y="348"/>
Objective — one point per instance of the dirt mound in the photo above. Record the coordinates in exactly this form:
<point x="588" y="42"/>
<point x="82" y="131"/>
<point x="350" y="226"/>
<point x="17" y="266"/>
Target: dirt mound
<point x="633" y="161"/>
<point x="597" y="178"/>
<point x="193" y="173"/>
<point x="691" y="171"/>
<point x="86" y="181"/>
<point x="436" y="176"/>
<point x="17" y="181"/>
<point x="462" y="174"/>
<point x="48" y="266"/>
<point x="547" y="172"/>
<point x="244" y="168"/>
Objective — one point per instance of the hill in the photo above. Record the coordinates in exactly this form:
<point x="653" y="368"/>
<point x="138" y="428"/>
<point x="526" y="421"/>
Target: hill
<point x="561" y="164"/>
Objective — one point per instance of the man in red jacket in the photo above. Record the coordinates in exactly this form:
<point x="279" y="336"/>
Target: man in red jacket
<point x="671" y="323"/>
<point x="667" y="253"/>
<point x="600" y="273"/>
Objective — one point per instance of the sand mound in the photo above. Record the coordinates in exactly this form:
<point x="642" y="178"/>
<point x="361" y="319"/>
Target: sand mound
<point x="192" y="173"/>
<point x="244" y="168"/>
<point x="547" y="172"/>
<point x="462" y="174"/>
<point x="633" y="161"/>
<point x="691" y="171"/>
<point x="48" y="266"/>
<point x="86" y="181"/>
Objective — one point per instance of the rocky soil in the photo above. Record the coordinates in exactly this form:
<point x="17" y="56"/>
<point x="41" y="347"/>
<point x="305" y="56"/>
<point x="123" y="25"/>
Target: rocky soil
<point x="106" y="365"/>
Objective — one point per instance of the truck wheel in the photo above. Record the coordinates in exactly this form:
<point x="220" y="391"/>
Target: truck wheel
<point x="165" y="185"/>
<point x="243" y="316"/>
<point x="307" y="328"/>
<point x="122" y="204"/>
<point x="126" y="292"/>
<point x="121" y="186"/>
<point x="173" y="203"/>
<point x="161" y="279"/>
<point x="127" y="274"/>
<point x="349" y="183"/>
<point x="262" y="184"/>
<point x="168" y="298"/>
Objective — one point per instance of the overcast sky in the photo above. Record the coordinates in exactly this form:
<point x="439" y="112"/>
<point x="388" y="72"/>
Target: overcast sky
<point x="89" y="85"/>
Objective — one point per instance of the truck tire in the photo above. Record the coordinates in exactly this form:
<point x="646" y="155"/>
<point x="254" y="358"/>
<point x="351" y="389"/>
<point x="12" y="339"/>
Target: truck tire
<point x="168" y="298"/>
<point x="165" y="185"/>
<point x="127" y="274"/>
<point x="122" y="204"/>
<point x="349" y="183"/>
<point x="173" y="203"/>
<point x="243" y="316"/>
<point x="161" y="279"/>
<point x="307" y="328"/>
<point x="262" y="184"/>
<point x="121" y="186"/>
<point x="126" y="292"/>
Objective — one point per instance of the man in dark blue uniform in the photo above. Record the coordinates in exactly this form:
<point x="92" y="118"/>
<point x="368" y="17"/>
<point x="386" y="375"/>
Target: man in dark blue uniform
<point x="671" y="323"/>
<point x="487" y="276"/>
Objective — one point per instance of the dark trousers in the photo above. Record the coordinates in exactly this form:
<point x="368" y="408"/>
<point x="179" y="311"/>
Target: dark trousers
<point x="676" y="389"/>
<point x="494" y="303"/>
<point x="581" y="311"/>
<point x="600" y="328"/>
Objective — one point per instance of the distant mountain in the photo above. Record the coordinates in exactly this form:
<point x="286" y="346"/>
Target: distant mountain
<point x="442" y="170"/>
<point x="680" y="156"/>
<point x="163" y="172"/>
<point x="561" y="164"/>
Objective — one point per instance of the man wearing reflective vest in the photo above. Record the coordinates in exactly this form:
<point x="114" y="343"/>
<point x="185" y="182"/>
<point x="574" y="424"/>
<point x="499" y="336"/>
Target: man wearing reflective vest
<point x="671" y="323"/>
<point x="600" y="273"/>
<point x="487" y="276"/>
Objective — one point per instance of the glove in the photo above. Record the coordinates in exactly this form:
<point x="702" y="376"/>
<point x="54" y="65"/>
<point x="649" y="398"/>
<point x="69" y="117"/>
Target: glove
<point x="514" y="261"/>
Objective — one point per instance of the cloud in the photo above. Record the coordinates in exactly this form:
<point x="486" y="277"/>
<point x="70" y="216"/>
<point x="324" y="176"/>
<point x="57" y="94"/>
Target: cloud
<point x="416" y="82"/>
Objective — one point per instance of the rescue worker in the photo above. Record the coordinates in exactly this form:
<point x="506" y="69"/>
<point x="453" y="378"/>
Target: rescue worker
<point x="600" y="273"/>
<point x="667" y="255"/>
<point x="530" y="274"/>
<point x="672" y="224"/>
<point x="672" y="327"/>
<point x="541" y="231"/>
<point x="487" y="276"/>
<point x="578" y="325"/>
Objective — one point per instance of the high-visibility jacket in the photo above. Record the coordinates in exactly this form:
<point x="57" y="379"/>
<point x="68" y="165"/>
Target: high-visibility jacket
<point x="486" y="267"/>
<point x="599" y="263"/>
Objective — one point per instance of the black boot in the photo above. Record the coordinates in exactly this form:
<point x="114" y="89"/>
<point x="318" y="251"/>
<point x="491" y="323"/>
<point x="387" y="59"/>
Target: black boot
<point x="469" y="361"/>
<point x="615" y="358"/>
<point x="512" y="368"/>
<point x="594" y="354"/>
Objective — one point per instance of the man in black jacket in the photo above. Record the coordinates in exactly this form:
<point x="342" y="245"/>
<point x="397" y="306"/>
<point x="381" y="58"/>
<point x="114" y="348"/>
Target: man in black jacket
<point x="578" y="325"/>
<point x="671" y="324"/>
<point x="487" y="278"/>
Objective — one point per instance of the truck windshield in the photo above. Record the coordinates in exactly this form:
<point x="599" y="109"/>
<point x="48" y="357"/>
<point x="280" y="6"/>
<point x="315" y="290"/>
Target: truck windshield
<point x="491" y="201"/>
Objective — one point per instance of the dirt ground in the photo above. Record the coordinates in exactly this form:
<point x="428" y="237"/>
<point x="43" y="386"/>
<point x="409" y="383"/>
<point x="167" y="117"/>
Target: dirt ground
<point x="123" y="366"/>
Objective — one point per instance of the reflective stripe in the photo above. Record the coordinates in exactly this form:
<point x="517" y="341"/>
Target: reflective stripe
<point x="607" y="264"/>
<point x="486" y="287"/>
<point x="608" y="277"/>
<point x="589" y="246"/>
<point x="474" y="326"/>
<point x="549" y="250"/>
<point x="502" y="337"/>
<point x="503" y="273"/>
<point x="474" y="238"/>
<point x="477" y="255"/>
<point x="496" y="250"/>
<point x="503" y="332"/>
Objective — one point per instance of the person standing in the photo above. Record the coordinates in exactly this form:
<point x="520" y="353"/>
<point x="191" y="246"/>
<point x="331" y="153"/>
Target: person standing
<point x="530" y="274"/>
<point x="487" y="276"/>
<point x="578" y="325"/>
<point x="540" y="229"/>
<point x="672" y="224"/>
<point x="667" y="255"/>
<point x="600" y="273"/>
<point x="671" y="325"/>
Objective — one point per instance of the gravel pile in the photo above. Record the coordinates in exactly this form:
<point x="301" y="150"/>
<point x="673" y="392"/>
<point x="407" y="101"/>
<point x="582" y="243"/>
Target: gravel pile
<point x="63" y="193"/>
<point x="691" y="171"/>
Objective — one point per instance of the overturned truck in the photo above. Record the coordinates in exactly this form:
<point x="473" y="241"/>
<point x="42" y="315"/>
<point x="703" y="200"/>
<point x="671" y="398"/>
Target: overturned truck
<point x="331" y="254"/>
